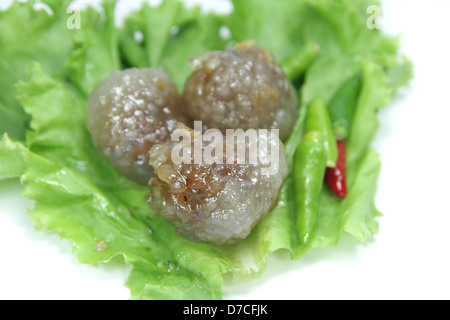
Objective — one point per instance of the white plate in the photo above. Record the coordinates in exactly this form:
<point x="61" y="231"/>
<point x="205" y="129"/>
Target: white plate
<point x="408" y="259"/>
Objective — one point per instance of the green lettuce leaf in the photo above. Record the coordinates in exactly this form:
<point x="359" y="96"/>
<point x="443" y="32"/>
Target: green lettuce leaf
<point x="78" y="195"/>
<point x="27" y="35"/>
<point x="171" y="35"/>
<point x="95" y="49"/>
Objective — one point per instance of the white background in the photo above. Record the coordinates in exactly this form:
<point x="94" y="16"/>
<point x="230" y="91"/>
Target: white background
<point x="408" y="259"/>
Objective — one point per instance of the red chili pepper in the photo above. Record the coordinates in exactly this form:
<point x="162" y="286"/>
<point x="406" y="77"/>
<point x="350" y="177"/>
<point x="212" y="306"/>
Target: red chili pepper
<point x="335" y="177"/>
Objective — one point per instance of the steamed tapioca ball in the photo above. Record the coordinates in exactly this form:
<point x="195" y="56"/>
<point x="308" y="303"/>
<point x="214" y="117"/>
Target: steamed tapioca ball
<point x="217" y="203"/>
<point x="128" y="113"/>
<point x="241" y="88"/>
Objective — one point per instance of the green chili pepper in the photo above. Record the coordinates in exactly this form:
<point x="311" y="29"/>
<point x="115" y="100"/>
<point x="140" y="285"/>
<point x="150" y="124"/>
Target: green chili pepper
<point x="309" y="172"/>
<point x="318" y="119"/>
<point x="295" y="65"/>
<point x="294" y="139"/>
<point x="343" y="106"/>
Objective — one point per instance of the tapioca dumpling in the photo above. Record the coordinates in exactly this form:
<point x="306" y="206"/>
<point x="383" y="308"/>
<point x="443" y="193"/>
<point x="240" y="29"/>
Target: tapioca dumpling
<point x="216" y="201"/>
<point x="128" y="113"/>
<point x="241" y="88"/>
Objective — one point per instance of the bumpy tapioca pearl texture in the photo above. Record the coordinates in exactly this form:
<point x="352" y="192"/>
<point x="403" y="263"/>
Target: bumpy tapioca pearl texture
<point x="131" y="111"/>
<point x="242" y="88"/>
<point x="218" y="203"/>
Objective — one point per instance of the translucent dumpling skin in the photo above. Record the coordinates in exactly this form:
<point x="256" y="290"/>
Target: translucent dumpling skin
<point x="128" y="113"/>
<point x="242" y="88"/>
<point x="217" y="203"/>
